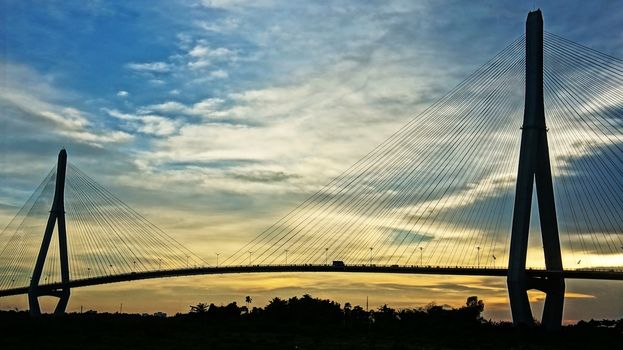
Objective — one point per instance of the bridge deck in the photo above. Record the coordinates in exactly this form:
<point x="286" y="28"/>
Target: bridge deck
<point x="426" y="270"/>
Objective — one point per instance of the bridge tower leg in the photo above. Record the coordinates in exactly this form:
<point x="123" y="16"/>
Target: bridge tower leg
<point x="534" y="165"/>
<point x="57" y="213"/>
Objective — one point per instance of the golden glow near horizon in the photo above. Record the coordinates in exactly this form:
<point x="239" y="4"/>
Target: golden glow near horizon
<point x="172" y="295"/>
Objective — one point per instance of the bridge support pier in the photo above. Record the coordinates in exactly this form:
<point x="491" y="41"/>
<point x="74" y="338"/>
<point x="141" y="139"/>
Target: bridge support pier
<point x="534" y="168"/>
<point x="57" y="213"/>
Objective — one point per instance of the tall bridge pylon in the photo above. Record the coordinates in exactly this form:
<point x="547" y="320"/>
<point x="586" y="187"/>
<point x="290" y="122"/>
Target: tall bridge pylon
<point x="57" y="213"/>
<point x="534" y="166"/>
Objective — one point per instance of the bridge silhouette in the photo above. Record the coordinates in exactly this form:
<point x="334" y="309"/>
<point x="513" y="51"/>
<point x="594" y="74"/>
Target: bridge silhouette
<point x="450" y="193"/>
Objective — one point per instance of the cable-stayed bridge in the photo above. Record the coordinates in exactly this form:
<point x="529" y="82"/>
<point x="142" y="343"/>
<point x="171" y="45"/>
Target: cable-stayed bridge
<point x="451" y="192"/>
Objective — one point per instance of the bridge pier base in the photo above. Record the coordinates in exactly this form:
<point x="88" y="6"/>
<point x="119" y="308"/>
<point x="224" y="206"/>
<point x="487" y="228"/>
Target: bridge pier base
<point x="34" y="308"/>
<point x="520" y="305"/>
<point x="554" y="289"/>
<point x="62" y="302"/>
<point x="554" y="303"/>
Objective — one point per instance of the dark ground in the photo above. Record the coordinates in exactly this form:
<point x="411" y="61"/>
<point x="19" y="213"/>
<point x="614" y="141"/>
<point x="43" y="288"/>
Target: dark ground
<point x="297" y="323"/>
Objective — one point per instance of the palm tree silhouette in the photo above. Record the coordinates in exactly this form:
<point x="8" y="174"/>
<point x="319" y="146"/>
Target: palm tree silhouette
<point x="200" y="308"/>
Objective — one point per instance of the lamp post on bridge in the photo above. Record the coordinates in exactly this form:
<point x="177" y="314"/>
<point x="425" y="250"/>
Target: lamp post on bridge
<point x="478" y="256"/>
<point x="217" y="254"/>
<point x="421" y="257"/>
<point x="250" y="252"/>
<point x="370" y="256"/>
<point x="286" y="256"/>
<point x="326" y="256"/>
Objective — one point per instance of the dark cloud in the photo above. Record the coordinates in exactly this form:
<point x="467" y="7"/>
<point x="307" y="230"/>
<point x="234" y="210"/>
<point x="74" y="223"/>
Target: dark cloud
<point x="221" y="163"/>
<point x="263" y="176"/>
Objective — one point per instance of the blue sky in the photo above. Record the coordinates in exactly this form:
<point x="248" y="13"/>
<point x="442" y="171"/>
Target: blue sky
<point x="135" y="74"/>
<point x="215" y="117"/>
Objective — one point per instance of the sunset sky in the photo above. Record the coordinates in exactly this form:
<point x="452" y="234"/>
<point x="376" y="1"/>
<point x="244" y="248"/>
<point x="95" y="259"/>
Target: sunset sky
<point x="214" y="118"/>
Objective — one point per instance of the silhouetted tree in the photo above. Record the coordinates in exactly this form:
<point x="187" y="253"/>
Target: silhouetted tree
<point x="230" y="311"/>
<point x="473" y="308"/>
<point x="200" y="308"/>
<point x="468" y="314"/>
<point x="474" y="302"/>
<point x="304" y="310"/>
<point x="359" y="315"/>
<point x="385" y="314"/>
<point x="347" y="310"/>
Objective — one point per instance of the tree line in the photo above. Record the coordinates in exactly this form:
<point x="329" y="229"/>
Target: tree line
<point x="310" y="310"/>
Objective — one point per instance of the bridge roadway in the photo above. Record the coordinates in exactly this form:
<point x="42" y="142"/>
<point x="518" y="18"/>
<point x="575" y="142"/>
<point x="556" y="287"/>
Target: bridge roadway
<point x="601" y="274"/>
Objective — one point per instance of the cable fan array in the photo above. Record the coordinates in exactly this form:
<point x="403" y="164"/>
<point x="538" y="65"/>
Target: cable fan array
<point x="104" y="236"/>
<point x="584" y="105"/>
<point x="434" y="193"/>
<point x="440" y="190"/>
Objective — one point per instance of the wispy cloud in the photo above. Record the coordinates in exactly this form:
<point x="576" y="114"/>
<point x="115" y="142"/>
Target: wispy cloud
<point x="155" y="67"/>
<point x="23" y="105"/>
<point x="146" y="124"/>
<point x="204" y="108"/>
<point x="202" y="55"/>
<point x="37" y="119"/>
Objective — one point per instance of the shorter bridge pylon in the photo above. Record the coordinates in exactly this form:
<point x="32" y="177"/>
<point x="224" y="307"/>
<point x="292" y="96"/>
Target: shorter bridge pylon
<point x="57" y="214"/>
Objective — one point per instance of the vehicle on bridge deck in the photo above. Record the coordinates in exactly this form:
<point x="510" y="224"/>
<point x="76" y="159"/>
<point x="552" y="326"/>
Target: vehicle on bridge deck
<point x="338" y="263"/>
